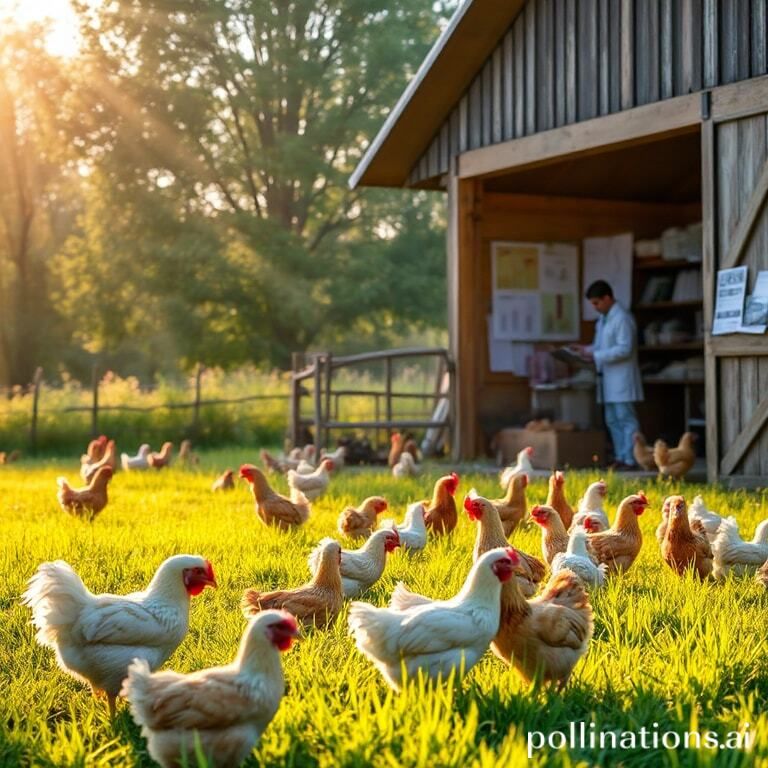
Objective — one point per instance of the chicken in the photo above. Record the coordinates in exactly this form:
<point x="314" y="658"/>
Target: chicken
<point x="361" y="568"/>
<point x="642" y="452"/>
<point x="412" y="531"/>
<point x="675" y="462"/>
<point x="436" y="637"/>
<point x="522" y="465"/>
<point x="620" y="545"/>
<point x="280" y="466"/>
<point x="139" y="461"/>
<point x="529" y="570"/>
<point x="513" y="507"/>
<point x="441" y="516"/>
<point x="576" y="558"/>
<point x="337" y="456"/>
<point x="317" y="602"/>
<point x="9" y="458"/>
<point x="187" y="457"/>
<point x="733" y="554"/>
<point x="225" y="481"/>
<point x="545" y="637"/>
<point x="224" y="709"/>
<point x="762" y="574"/>
<point x="359" y="523"/>
<point x="554" y="538"/>
<point x="709" y="520"/>
<point x="591" y="503"/>
<point x="109" y="459"/>
<point x="406" y="466"/>
<point x="271" y="507"/>
<point x="304" y="467"/>
<point x="410" y="446"/>
<point x="556" y="498"/>
<point x="161" y="459"/>
<point x="308" y="453"/>
<point x="592" y="524"/>
<point x="395" y="449"/>
<point x="89" y="501"/>
<point x="683" y="547"/>
<point x="96" y="637"/>
<point x="314" y="484"/>
<point x="95" y="450"/>
<point x="661" y="528"/>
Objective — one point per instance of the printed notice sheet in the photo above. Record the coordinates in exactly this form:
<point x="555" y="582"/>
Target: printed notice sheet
<point x="729" y="300"/>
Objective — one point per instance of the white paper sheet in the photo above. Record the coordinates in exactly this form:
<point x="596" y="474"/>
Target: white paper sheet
<point x="609" y="259"/>
<point x="516" y="316"/>
<point x="729" y="300"/>
<point x="507" y="356"/>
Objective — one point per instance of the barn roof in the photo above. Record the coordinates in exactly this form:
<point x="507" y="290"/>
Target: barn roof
<point x="438" y="84"/>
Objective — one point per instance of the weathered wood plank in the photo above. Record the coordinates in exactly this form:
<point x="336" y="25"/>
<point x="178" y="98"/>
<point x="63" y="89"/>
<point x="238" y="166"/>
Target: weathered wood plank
<point x="444" y="153"/>
<point x="487" y="102"/>
<point x="627" y="54"/>
<point x="737" y="345"/>
<point x="692" y="35"/>
<point x="545" y="60"/>
<point x="530" y="68"/>
<point x="571" y="80"/>
<point x="653" y="52"/>
<point x="518" y="33"/>
<point x="666" y="46"/>
<point x="762" y="372"/>
<point x="741" y="441"/>
<point x="475" y="114"/>
<point x="727" y="41"/>
<point x="727" y="187"/>
<point x="508" y="88"/>
<point x="614" y="56"/>
<point x="587" y="60"/>
<point x="559" y="52"/>
<point x="749" y="97"/>
<point x="496" y="98"/>
<point x="603" y="47"/>
<point x="464" y="123"/>
<point x="759" y="65"/>
<point x="730" y="408"/>
<point x="711" y="69"/>
<point x="454" y="141"/>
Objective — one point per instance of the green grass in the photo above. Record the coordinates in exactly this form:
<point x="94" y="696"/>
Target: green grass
<point x="666" y="650"/>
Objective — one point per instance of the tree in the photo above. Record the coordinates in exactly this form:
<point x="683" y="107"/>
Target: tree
<point x="241" y="121"/>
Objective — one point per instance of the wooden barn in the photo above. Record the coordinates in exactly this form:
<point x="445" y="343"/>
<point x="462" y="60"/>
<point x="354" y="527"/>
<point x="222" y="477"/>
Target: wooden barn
<point x="556" y="121"/>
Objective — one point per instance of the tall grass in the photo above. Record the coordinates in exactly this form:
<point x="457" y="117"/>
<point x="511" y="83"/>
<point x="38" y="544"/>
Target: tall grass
<point x="666" y="650"/>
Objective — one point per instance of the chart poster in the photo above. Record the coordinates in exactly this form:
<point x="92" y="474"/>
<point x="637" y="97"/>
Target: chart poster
<point x="559" y="292"/>
<point x="609" y="259"/>
<point x="729" y="300"/>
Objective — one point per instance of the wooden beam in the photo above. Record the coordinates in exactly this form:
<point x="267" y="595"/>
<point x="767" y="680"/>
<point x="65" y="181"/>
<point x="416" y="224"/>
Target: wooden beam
<point x="749" y="97"/>
<point x="633" y="126"/>
<point x="745" y="438"/>
<point x="737" y="345"/>
<point x="747" y="221"/>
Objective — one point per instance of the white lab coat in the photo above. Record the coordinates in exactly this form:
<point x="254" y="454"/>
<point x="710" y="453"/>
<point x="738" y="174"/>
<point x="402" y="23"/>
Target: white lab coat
<point x="615" y="353"/>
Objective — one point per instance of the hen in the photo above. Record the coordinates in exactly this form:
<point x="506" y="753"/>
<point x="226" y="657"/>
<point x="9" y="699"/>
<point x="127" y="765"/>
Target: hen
<point x="554" y="538"/>
<point x="280" y="465"/>
<point x="675" y="462"/>
<point x="556" y="498"/>
<point x="224" y="709"/>
<point x="513" y="507"/>
<point x="9" y="458"/>
<point x="591" y="503"/>
<point x="139" y="461"/>
<point x="187" y="457"/>
<point x="762" y="574"/>
<point x="337" y="457"/>
<point x="359" y="523"/>
<point x="576" y="558"/>
<point x="109" y="459"/>
<point x="709" y="520"/>
<point x="406" y="466"/>
<point x="591" y="524"/>
<point x="85" y="502"/>
<point x="271" y="507"/>
<point x="314" y="484"/>
<point x="360" y="568"/>
<point x="318" y="602"/>
<point x="163" y="458"/>
<point x="224" y="482"/>
<point x="733" y="554"/>
<point x="441" y="516"/>
<point x="620" y="545"/>
<point x="643" y="452"/>
<point x="529" y="570"/>
<point x="396" y="442"/>
<point x="436" y="637"/>
<point x="521" y="466"/>
<point x="412" y="531"/>
<point x="96" y="637"/>
<point x="95" y="450"/>
<point x="681" y="546"/>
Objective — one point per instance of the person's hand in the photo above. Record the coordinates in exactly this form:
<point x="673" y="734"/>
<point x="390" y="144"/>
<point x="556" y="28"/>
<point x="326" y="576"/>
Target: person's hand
<point x="582" y="350"/>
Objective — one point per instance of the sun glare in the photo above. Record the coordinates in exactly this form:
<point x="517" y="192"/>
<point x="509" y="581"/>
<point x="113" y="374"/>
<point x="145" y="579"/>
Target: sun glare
<point x="63" y="38"/>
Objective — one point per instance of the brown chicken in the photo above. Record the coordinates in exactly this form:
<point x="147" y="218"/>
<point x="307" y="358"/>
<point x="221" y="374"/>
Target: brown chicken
<point x="620" y="544"/>
<point x="513" y="508"/>
<point x="9" y="458"/>
<point x="225" y="481"/>
<point x="161" y="459"/>
<point x="556" y="498"/>
<point x="85" y="502"/>
<point x="661" y="528"/>
<point x="762" y="574"/>
<point x="109" y="459"/>
<point x="396" y="442"/>
<point x="643" y="452"/>
<point x="554" y="537"/>
<point x="675" y="462"/>
<point x="318" y="602"/>
<point x="280" y="465"/>
<point x="187" y="457"/>
<point x="359" y="523"/>
<point x="593" y="524"/>
<point x="95" y="450"/>
<point x="529" y="571"/>
<point x="545" y="637"/>
<point x="682" y="546"/>
<point x="271" y="507"/>
<point x="441" y="516"/>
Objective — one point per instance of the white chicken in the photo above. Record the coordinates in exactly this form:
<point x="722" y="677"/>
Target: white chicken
<point x="96" y="637"/>
<point x="406" y="466"/>
<point x="412" y="531"/>
<point x="314" y="484"/>
<point x="360" y="568"/>
<point x="337" y="456"/>
<point x="577" y="559"/>
<point x="522" y="465"/>
<point x="435" y="636"/>
<point x="139" y="461"/>
<point x="591" y="504"/>
<point x="305" y="467"/>
<point x="227" y="708"/>
<point x="709" y="520"/>
<point x="733" y="554"/>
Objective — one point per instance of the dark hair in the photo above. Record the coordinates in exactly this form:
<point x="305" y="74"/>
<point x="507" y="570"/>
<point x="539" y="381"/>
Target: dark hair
<point x="598" y="289"/>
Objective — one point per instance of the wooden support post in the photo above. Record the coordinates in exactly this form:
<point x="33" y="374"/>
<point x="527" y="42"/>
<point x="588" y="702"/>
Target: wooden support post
<point x="297" y="362"/>
<point x="35" y="401"/>
<point x="327" y="409"/>
<point x="318" y="403"/>
<point x="388" y="386"/>
<point x="198" y="388"/>
<point x="95" y="401"/>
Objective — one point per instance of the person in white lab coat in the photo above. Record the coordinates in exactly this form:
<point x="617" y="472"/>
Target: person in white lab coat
<point x="619" y="385"/>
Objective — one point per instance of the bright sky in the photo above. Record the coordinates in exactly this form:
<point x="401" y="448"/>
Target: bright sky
<point x="63" y="39"/>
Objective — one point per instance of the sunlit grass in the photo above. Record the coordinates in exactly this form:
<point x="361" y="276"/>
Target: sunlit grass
<point x="666" y="650"/>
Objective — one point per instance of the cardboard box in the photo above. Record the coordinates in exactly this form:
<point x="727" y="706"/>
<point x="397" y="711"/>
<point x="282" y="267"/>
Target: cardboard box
<point x="578" y="449"/>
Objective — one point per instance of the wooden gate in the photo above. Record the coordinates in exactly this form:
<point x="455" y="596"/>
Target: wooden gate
<point x="735" y="215"/>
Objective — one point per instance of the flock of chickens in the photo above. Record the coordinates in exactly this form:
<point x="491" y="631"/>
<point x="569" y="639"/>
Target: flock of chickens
<point x="115" y="643"/>
<point x="671" y="462"/>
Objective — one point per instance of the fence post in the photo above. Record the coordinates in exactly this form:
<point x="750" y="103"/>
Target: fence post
<point x="388" y="384"/>
<point x="196" y="409"/>
<point x="35" y="399"/>
<point x="297" y="363"/>
<point x="318" y="404"/>
<point x="328" y="378"/>
<point x="95" y="401"/>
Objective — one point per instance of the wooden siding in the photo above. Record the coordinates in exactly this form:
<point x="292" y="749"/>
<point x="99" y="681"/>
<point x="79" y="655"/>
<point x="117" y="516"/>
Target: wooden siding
<point x="565" y="61"/>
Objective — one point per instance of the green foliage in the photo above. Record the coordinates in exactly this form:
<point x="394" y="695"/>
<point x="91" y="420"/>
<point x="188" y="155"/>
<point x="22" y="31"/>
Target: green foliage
<point x="666" y="650"/>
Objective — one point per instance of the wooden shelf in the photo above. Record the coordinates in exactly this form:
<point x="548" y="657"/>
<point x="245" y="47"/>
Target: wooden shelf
<point x="669" y="305"/>
<point x="666" y="264"/>
<point x="669" y="380"/>
<point x="681" y="347"/>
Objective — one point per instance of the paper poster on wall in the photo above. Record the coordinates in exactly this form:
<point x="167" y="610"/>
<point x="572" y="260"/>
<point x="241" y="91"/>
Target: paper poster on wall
<point x="609" y="259"/>
<point x="559" y="285"/>
<point x="515" y="316"/>
<point x="729" y="300"/>
<point x="507" y="356"/>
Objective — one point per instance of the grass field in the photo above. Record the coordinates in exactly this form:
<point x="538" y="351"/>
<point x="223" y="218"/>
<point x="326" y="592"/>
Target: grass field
<point x="666" y="650"/>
